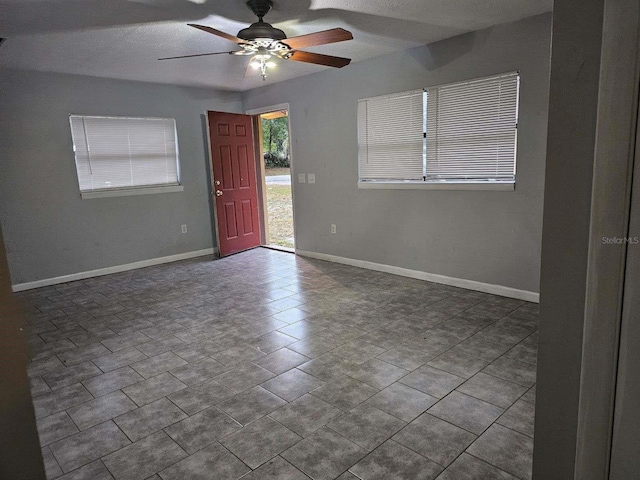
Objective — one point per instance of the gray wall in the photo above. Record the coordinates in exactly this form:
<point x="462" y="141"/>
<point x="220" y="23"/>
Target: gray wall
<point x="49" y="230"/>
<point x="491" y="237"/>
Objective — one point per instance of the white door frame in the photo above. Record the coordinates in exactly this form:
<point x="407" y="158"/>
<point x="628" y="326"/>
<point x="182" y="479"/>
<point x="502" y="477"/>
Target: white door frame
<point x="269" y="109"/>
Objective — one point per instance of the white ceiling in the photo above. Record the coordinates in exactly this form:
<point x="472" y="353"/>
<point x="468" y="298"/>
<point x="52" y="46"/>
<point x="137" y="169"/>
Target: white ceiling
<point x="124" y="38"/>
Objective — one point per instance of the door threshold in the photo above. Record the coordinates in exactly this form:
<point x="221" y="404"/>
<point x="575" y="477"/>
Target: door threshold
<point x="278" y="247"/>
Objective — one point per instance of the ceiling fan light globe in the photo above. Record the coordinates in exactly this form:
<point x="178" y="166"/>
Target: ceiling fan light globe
<point x="270" y="64"/>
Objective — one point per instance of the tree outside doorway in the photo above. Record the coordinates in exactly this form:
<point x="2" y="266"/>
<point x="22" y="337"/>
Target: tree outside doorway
<point x="275" y="147"/>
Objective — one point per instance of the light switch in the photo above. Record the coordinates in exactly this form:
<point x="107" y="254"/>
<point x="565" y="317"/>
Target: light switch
<point x="311" y="177"/>
<point x="301" y="178"/>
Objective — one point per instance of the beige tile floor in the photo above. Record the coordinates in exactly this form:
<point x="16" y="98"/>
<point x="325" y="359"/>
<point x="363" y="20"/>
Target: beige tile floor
<point x="267" y="365"/>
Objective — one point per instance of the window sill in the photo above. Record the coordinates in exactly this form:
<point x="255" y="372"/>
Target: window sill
<point x="500" y="186"/>
<point x="125" y="192"/>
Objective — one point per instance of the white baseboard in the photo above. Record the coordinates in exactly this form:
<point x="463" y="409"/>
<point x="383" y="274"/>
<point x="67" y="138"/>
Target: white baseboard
<point x="430" y="277"/>
<point x="109" y="270"/>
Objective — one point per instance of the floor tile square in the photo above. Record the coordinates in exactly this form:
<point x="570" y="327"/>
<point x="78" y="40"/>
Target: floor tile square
<point x="119" y="359"/>
<point x="87" y="446"/>
<point x="70" y="375"/>
<point x="292" y="384"/>
<point x="392" y="460"/>
<point x="305" y="415"/>
<point x="152" y="366"/>
<point x="276" y="469"/>
<point x="466" y="412"/>
<point x="512" y="370"/>
<point x="142" y="459"/>
<point x="199" y="371"/>
<point x="55" y="427"/>
<point x="154" y="388"/>
<point x="432" y="381"/>
<point x="200" y="396"/>
<point x="51" y="467"/>
<point x="324" y="455"/>
<point x="508" y="450"/>
<point x="121" y="342"/>
<point x="281" y="360"/>
<point x="103" y="408"/>
<point x="377" y="373"/>
<point x="94" y="471"/>
<point x="59" y="400"/>
<point x="202" y="429"/>
<point x="405" y="357"/>
<point x="358" y="351"/>
<point x="243" y="377"/>
<point x="111" y="381"/>
<point x="291" y="315"/>
<point x="344" y="392"/>
<point x="238" y="354"/>
<point x="435" y="439"/>
<point x="313" y="346"/>
<point x="211" y="463"/>
<point x="458" y="363"/>
<point x="146" y="420"/>
<point x="366" y="426"/>
<point x="492" y="389"/>
<point x="520" y="417"/>
<point x="301" y="329"/>
<point x="402" y="402"/>
<point x="327" y="366"/>
<point x="251" y="405"/>
<point x="260" y="441"/>
<point x="468" y="467"/>
<point x="272" y="341"/>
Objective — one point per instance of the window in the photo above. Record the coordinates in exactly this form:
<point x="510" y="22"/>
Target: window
<point x="120" y="155"/>
<point x="449" y="135"/>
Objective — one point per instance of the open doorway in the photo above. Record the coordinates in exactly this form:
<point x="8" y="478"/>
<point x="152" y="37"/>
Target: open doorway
<point x="276" y="165"/>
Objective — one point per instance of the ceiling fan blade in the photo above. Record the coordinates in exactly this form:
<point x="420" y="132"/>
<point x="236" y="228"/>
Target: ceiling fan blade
<point x="196" y="55"/>
<point x="319" y="59"/>
<point x="319" y="38"/>
<point x="217" y="32"/>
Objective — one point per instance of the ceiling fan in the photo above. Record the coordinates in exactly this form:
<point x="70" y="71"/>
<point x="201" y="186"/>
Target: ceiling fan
<point x="263" y="42"/>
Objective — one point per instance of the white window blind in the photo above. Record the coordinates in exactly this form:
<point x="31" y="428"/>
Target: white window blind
<point x="471" y="129"/>
<point x="122" y="152"/>
<point x="390" y="137"/>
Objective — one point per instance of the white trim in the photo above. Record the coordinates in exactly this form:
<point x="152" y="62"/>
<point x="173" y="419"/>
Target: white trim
<point x="115" y="269"/>
<point x="272" y="108"/>
<point x="382" y="185"/>
<point x="125" y="192"/>
<point x="430" y="277"/>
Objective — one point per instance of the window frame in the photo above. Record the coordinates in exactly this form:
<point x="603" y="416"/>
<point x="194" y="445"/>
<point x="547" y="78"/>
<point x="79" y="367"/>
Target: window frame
<point x="149" y="189"/>
<point x="445" y="184"/>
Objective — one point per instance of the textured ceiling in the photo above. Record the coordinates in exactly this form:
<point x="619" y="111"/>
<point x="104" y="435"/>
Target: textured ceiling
<point x="124" y="38"/>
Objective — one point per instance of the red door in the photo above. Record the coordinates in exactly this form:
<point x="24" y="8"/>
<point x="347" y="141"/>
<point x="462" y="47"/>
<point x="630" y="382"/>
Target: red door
<point x="234" y="181"/>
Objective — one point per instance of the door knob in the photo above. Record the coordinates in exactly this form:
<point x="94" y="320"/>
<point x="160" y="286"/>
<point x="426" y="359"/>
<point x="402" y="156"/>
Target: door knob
<point x="218" y="193"/>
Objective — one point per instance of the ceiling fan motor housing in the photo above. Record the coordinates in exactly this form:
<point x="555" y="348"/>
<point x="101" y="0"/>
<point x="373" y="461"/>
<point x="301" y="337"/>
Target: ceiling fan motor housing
<point x="261" y="29"/>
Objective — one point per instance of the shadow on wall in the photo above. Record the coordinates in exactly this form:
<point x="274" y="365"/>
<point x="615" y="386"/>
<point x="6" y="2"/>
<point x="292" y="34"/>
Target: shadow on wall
<point x="442" y="53"/>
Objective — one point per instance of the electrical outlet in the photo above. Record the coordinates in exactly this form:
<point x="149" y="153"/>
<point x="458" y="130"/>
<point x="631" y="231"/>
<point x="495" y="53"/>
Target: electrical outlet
<point x="301" y="178"/>
<point x="184" y="229"/>
<point x="333" y="228"/>
<point x="311" y="178"/>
